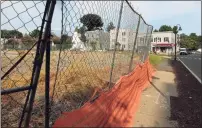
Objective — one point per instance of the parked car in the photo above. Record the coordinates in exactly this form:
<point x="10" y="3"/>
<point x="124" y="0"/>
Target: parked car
<point x="193" y="52"/>
<point x="183" y="51"/>
<point x="199" y="50"/>
<point x="189" y="51"/>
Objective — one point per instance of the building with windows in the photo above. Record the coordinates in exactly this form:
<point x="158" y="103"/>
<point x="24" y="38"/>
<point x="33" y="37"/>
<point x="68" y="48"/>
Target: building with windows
<point x="164" y="42"/>
<point x="126" y="38"/>
<point x="98" y="39"/>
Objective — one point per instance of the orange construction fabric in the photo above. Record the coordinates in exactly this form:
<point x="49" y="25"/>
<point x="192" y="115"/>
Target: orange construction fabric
<point x="114" y="108"/>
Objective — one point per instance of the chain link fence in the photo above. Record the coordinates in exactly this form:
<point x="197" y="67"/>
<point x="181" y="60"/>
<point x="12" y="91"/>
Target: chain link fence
<point x="19" y="19"/>
<point x="92" y="44"/>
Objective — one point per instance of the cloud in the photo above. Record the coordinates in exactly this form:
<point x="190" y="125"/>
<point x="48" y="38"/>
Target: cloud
<point x="160" y="10"/>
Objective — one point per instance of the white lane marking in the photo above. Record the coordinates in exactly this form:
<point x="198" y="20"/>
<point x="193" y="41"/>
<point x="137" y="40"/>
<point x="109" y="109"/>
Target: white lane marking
<point x="191" y="72"/>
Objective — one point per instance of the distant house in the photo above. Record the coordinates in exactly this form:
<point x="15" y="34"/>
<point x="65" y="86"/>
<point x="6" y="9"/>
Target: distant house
<point x="77" y="43"/>
<point x="3" y="42"/>
<point x="15" y="44"/>
<point x="164" y="42"/>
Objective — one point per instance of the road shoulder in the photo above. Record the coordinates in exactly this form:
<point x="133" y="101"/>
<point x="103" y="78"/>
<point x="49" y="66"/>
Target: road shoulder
<point x="178" y="104"/>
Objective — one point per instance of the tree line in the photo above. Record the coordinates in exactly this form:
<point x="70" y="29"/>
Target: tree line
<point x="90" y="22"/>
<point x="14" y="37"/>
<point x="191" y="41"/>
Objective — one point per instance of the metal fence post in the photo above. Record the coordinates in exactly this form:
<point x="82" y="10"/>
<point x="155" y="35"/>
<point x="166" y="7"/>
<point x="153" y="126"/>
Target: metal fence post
<point x="114" y="53"/>
<point x="39" y="62"/>
<point x="47" y="75"/>
<point x="149" y="43"/>
<point x="134" y="45"/>
<point x="34" y="66"/>
<point x="143" y="59"/>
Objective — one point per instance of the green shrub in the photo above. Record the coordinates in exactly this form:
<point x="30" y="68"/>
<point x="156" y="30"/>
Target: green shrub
<point x="155" y="59"/>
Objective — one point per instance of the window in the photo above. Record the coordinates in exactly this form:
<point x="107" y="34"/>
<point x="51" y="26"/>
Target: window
<point x="159" y="39"/>
<point x="155" y="39"/>
<point x="166" y="39"/>
<point x="123" y="46"/>
<point x="123" y="33"/>
<point x="123" y="39"/>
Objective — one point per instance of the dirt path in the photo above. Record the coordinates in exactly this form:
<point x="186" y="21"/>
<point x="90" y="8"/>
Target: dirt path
<point x="154" y="109"/>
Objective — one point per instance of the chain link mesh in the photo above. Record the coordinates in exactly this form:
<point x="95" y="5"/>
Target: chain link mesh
<point x="94" y="48"/>
<point x="18" y="20"/>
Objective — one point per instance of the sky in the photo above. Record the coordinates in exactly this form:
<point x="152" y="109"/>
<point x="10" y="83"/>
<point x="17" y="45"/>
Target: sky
<point x="156" y="13"/>
<point x="185" y="13"/>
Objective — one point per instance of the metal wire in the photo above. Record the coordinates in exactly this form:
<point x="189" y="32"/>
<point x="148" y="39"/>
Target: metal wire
<point x="99" y="41"/>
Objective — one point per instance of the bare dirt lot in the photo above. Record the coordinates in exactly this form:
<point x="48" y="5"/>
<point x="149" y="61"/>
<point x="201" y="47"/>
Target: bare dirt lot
<point x="79" y="74"/>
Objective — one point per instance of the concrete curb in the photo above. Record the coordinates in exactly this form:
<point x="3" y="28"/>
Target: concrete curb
<point x="190" y="71"/>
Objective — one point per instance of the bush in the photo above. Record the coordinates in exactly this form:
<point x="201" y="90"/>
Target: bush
<point x="155" y="59"/>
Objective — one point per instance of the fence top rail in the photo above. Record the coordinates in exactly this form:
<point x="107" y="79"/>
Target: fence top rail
<point x="137" y="13"/>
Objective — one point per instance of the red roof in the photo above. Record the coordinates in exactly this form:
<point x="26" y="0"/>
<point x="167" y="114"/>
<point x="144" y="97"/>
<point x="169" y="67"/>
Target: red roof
<point x="165" y="44"/>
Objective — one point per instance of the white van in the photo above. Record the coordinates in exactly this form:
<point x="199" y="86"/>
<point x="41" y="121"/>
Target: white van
<point x="183" y="51"/>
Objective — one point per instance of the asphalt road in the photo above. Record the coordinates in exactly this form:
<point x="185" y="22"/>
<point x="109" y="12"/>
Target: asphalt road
<point x="193" y="62"/>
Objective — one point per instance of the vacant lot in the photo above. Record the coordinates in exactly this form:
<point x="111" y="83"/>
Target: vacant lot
<point x="79" y="73"/>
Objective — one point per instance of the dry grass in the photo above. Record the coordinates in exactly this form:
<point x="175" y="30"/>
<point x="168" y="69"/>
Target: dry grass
<point x="79" y="74"/>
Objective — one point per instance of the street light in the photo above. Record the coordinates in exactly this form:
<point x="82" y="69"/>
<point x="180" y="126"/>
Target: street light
<point x="175" y="31"/>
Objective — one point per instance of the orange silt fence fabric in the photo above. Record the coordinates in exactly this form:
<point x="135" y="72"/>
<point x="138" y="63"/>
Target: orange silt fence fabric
<point x="114" y="108"/>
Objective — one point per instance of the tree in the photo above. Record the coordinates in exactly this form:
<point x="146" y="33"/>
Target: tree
<point x="193" y="36"/>
<point x="77" y="29"/>
<point x="35" y="33"/>
<point x="91" y="22"/>
<point x="199" y="39"/>
<point x="82" y="31"/>
<point x="11" y="34"/>
<point x="5" y="34"/>
<point x="15" y="33"/>
<point x="175" y="29"/>
<point x="187" y="42"/>
<point x="155" y="30"/>
<point x="55" y="39"/>
<point x="12" y="43"/>
<point x="110" y="26"/>
<point x="66" y="41"/>
<point x="183" y="35"/>
<point x="165" y="28"/>
<point x="28" y="40"/>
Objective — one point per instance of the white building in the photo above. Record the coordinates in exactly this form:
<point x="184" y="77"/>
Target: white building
<point x="126" y="38"/>
<point x="164" y="42"/>
<point x="77" y="43"/>
<point x="100" y="39"/>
